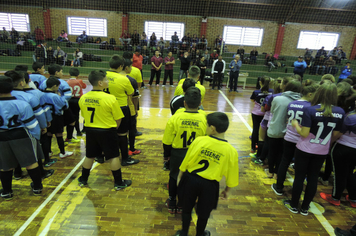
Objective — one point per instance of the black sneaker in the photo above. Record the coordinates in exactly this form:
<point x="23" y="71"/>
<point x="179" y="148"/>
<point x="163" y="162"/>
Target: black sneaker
<point x="36" y="191"/>
<point x="6" y="196"/>
<point x="100" y="160"/>
<point x="166" y="165"/>
<point x="207" y="233"/>
<point x="138" y="133"/>
<point x="50" y="162"/>
<point x="340" y="232"/>
<point x="180" y="233"/>
<point x="18" y="176"/>
<point x="289" y="207"/>
<point x="304" y="212"/>
<point x="48" y="173"/>
<point x="277" y="191"/>
<point x="81" y="182"/>
<point x="171" y="205"/>
<point x="124" y="184"/>
<point x="129" y="161"/>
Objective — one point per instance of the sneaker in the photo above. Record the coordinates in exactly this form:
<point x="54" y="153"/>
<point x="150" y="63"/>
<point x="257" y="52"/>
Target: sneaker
<point x="253" y="155"/>
<point x="79" y="134"/>
<point x="6" y="196"/>
<point x="48" y="173"/>
<point x="124" y="184"/>
<point x="66" y="143"/>
<point x="304" y="212"/>
<point x="340" y="232"/>
<point x="179" y="233"/>
<point x="330" y="199"/>
<point x="352" y="202"/>
<point x="36" y="191"/>
<point x="129" y="161"/>
<point x="163" y="85"/>
<point x="18" y="176"/>
<point x="138" y="133"/>
<point x="136" y="152"/>
<point x="259" y="162"/>
<point x="207" y="233"/>
<point x="81" y="182"/>
<point x="172" y="86"/>
<point x="179" y="210"/>
<point x="100" y="160"/>
<point x="73" y="140"/>
<point x="50" y="162"/>
<point x="166" y="165"/>
<point x="171" y="205"/>
<point x="66" y="154"/>
<point x="269" y="175"/>
<point x="289" y="207"/>
<point x="277" y="191"/>
<point x="323" y="182"/>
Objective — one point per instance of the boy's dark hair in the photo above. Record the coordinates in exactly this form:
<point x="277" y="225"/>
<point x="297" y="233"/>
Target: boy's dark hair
<point x="6" y="85"/>
<point x="127" y="63"/>
<point x="192" y="97"/>
<point x="95" y="76"/>
<point x="219" y="120"/>
<point x="52" y="69"/>
<point x="293" y="86"/>
<point x="128" y="55"/>
<point x="23" y="68"/>
<point x="74" y="72"/>
<point x="116" y="61"/>
<point x="51" y="81"/>
<point x="194" y="72"/>
<point x="187" y="84"/>
<point x="16" y="77"/>
<point x="36" y="66"/>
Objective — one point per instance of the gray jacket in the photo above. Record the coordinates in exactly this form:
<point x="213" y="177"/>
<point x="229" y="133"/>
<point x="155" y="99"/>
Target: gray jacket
<point x="278" y="124"/>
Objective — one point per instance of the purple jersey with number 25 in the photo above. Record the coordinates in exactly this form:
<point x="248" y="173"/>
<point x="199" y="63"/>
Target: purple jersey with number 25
<point x="321" y="129"/>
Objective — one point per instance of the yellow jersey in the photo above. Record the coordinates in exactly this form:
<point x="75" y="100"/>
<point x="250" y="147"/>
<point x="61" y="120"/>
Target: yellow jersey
<point x="183" y="109"/>
<point x="182" y="128"/>
<point x="136" y="74"/>
<point x="179" y="89"/>
<point x="119" y="86"/>
<point x="100" y="110"/>
<point x="212" y="158"/>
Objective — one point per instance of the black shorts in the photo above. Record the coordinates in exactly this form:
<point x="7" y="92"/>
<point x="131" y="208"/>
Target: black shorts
<point x="17" y="147"/>
<point x="177" y="157"/>
<point x="74" y="107"/>
<point x="125" y="122"/>
<point x="100" y="141"/>
<point x="57" y="125"/>
<point x="68" y="117"/>
<point x="193" y="187"/>
<point x="133" y="122"/>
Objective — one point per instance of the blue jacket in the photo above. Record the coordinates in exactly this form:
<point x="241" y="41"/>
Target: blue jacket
<point x="345" y="73"/>
<point x="299" y="67"/>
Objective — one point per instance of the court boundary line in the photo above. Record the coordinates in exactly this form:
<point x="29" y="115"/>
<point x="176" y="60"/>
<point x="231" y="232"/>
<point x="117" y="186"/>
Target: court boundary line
<point x="322" y="220"/>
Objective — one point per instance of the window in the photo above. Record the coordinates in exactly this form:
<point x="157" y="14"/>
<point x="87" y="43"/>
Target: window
<point x="237" y="35"/>
<point x="20" y="22"/>
<point x="92" y="26"/>
<point x="316" y="40"/>
<point x="164" y="29"/>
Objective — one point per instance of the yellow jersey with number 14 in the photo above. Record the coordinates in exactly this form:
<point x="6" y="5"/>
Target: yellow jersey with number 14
<point x="100" y="110"/>
<point x="212" y="158"/>
<point x="183" y="127"/>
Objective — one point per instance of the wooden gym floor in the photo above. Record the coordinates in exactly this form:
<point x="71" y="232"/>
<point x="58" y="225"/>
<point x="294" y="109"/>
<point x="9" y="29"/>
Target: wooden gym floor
<point x="252" y="208"/>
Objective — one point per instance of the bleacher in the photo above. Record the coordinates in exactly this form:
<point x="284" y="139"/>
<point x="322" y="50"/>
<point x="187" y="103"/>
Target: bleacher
<point x="254" y="71"/>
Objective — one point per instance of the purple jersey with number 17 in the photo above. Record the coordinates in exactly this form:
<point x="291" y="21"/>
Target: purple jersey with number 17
<point x="321" y="129"/>
<point x="295" y="111"/>
<point x="349" y="129"/>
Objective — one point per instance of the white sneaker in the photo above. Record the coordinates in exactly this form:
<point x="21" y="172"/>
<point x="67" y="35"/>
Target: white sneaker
<point x="172" y="86"/>
<point x="163" y="85"/>
<point x="66" y="154"/>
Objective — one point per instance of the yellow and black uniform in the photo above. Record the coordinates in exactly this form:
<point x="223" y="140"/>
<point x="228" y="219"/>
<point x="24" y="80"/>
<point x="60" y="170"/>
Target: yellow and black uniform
<point x="120" y="86"/>
<point x="208" y="159"/>
<point x="179" y="89"/>
<point x="136" y="74"/>
<point x="100" y="111"/>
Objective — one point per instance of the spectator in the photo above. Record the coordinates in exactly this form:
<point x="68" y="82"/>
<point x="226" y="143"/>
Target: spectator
<point x="4" y="35"/>
<point x="186" y="39"/>
<point x="202" y="66"/>
<point x="160" y="50"/>
<point x="308" y="53"/>
<point x="320" y="52"/>
<point x="14" y="35"/>
<point x="241" y="52"/>
<point x="346" y="72"/>
<point x="153" y="40"/>
<point x="125" y="38"/>
<point x="62" y="36"/>
<point x="214" y="55"/>
<point x="184" y="65"/>
<point x="342" y="53"/>
<point x="174" y="40"/>
<point x="309" y="62"/>
<point x="300" y="66"/>
<point x="334" y="54"/>
<point x="217" y="71"/>
<point x="218" y="41"/>
<point x="270" y="62"/>
<point x="145" y="54"/>
<point x="78" y="55"/>
<point x="168" y="69"/>
<point x="234" y="67"/>
<point x="143" y="39"/>
<point x="197" y="56"/>
<point x="41" y="53"/>
<point x="161" y="44"/>
<point x="193" y="52"/>
<point x="156" y="62"/>
<point x="135" y="38"/>
<point x="319" y="62"/>
<point x="253" y="56"/>
<point x="39" y="35"/>
<point x="50" y="58"/>
<point x="60" y="55"/>
<point x="82" y="38"/>
<point x="137" y="60"/>
<point x="206" y="55"/>
<point x="329" y="66"/>
<point x="195" y="39"/>
<point x="203" y="43"/>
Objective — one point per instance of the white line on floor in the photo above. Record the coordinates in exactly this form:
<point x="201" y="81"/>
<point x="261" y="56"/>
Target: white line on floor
<point x="48" y="226"/>
<point x="323" y="221"/>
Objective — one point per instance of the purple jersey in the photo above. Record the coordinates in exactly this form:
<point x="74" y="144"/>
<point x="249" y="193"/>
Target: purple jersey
<point x="267" y="113"/>
<point x="295" y="111"/>
<point x="259" y="97"/>
<point x="321" y="129"/>
<point x="349" y="129"/>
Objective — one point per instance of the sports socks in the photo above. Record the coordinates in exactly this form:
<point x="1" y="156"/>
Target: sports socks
<point x="201" y="225"/>
<point x="186" y="218"/>
<point x="36" y="177"/>
<point x="60" y="142"/>
<point x="260" y="148"/>
<point x="117" y="176"/>
<point x="132" y="136"/>
<point x="40" y="166"/>
<point x="123" y="147"/>
<point x="77" y="128"/>
<point x="6" y="181"/>
<point x="49" y="139"/>
<point x="85" y="174"/>
<point x="172" y="189"/>
<point x="70" y="130"/>
<point x="45" y="146"/>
